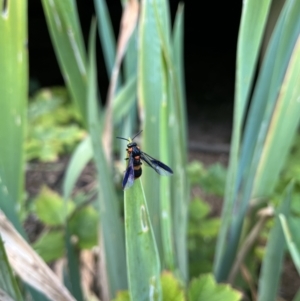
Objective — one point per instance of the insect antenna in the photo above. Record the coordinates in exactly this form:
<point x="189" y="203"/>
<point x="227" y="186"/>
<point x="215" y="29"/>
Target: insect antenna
<point x="131" y="138"/>
<point x="137" y="134"/>
<point x="122" y="138"/>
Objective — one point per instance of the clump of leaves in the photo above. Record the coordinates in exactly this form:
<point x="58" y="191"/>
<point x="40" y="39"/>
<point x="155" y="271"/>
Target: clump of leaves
<point x="202" y="233"/>
<point x="202" y="227"/>
<point x="202" y="288"/>
<point x="54" y="125"/>
<point x="291" y="172"/>
<point x="211" y="180"/>
<point x="206" y="288"/>
<point x="55" y="213"/>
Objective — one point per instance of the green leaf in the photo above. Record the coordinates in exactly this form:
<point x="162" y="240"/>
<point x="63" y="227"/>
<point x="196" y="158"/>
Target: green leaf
<point x="297" y="296"/>
<point x="175" y="125"/>
<point x="6" y="203"/>
<point x="13" y="91"/>
<point x="178" y="61"/>
<point x="106" y="34"/>
<point x="198" y="209"/>
<point x="150" y="70"/>
<point x="84" y="224"/>
<point x="54" y="126"/>
<point x="122" y="296"/>
<point x="50" y="245"/>
<point x="294" y="226"/>
<point x="108" y="206"/>
<point x="124" y="100"/>
<point x="50" y="207"/>
<point x="8" y="283"/>
<point x="252" y="27"/>
<point x="209" y="228"/>
<point x="205" y="288"/>
<point x="172" y="289"/>
<point x="80" y="157"/>
<point x="267" y="138"/>
<point x="143" y="263"/>
<point x="64" y="27"/>
<point x="195" y="170"/>
<point x="294" y="251"/>
<point x="274" y="254"/>
<point x="214" y="180"/>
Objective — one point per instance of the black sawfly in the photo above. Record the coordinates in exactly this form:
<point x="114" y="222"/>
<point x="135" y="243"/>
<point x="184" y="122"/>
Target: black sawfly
<point x="135" y="158"/>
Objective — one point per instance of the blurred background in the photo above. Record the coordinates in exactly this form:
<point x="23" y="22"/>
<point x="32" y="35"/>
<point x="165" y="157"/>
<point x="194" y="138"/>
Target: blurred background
<point x="210" y="41"/>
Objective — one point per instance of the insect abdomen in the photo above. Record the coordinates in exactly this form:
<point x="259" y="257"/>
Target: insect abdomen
<point x="137" y="172"/>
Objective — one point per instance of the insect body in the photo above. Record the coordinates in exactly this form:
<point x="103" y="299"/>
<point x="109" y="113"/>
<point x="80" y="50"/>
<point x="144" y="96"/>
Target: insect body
<point x="135" y="158"/>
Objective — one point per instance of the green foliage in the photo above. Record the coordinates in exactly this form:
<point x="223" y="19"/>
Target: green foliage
<point x="50" y="245"/>
<point x="205" y="288"/>
<point x="13" y="93"/>
<point x="83" y="224"/>
<point x="291" y="172"/>
<point x="172" y="289"/>
<point x="211" y="180"/>
<point x="202" y="227"/>
<point x="8" y="283"/>
<point x="54" y="126"/>
<point x="50" y="207"/>
<point x="54" y="212"/>
<point x="143" y="263"/>
<point x="122" y="296"/>
<point x="257" y="157"/>
<point x="202" y="233"/>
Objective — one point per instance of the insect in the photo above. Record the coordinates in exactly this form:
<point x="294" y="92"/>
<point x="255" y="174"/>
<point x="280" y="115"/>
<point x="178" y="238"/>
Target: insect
<point x="134" y="169"/>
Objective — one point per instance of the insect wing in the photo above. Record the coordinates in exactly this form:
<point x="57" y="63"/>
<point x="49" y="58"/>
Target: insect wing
<point x="158" y="166"/>
<point x="129" y="174"/>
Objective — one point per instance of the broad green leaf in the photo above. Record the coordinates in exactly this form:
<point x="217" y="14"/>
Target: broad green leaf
<point x="143" y="263"/>
<point x="84" y="225"/>
<point x="172" y="289"/>
<point x="205" y="288"/>
<point x="50" y="207"/>
<point x="274" y="255"/>
<point x="13" y="91"/>
<point x="8" y="282"/>
<point x="50" y="245"/>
